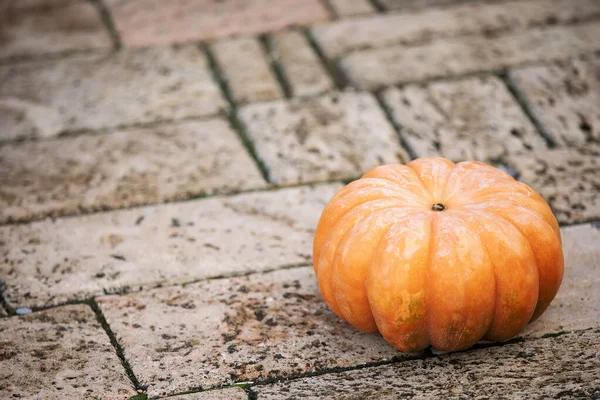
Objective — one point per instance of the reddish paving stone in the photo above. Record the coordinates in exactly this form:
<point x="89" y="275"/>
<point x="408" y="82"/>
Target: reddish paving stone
<point x="467" y="119"/>
<point x="348" y="8"/>
<point x="45" y="99"/>
<point x="564" y="97"/>
<point x="36" y="27"/>
<point x="122" y="169"/>
<point x="372" y="69"/>
<point x="50" y="262"/>
<point x="232" y="330"/>
<point x="341" y="135"/>
<point x="150" y="22"/>
<point x="62" y="353"/>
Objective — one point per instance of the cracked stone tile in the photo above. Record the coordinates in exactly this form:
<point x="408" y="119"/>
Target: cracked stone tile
<point x="560" y="367"/>
<point x="233" y="330"/>
<point x="468" y="119"/>
<point x="221" y="394"/>
<point x="344" y="36"/>
<point x="122" y="169"/>
<point x="246" y="70"/>
<point x="35" y="27"/>
<point x="371" y="69"/>
<point x="61" y="353"/>
<point x="330" y="137"/>
<point x="45" y="99"/>
<point x="564" y="97"/>
<point x="151" y="22"/>
<point x="567" y="178"/>
<point x="53" y="261"/>
<point x="577" y="304"/>
<point x="302" y="66"/>
<point x="348" y="8"/>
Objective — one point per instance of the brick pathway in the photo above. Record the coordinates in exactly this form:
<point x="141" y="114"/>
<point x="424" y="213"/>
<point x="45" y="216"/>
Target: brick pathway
<point x="163" y="165"/>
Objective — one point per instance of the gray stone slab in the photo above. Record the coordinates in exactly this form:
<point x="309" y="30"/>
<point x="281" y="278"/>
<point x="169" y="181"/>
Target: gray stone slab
<point x="219" y="394"/>
<point x="375" y="68"/>
<point x="467" y="119"/>
<point x="44" y="99"/>
<point x="62" y="353"/>
<point x="349" y="8"/>
<point x="122" y="169"/>
<point x="551" y="368"/>
<point x="330" y="137"/>
<point x="235" y="330"/>
<point x="564" y="98"/>
<point x="49" y="262"/>
<point x="37" y="27"/>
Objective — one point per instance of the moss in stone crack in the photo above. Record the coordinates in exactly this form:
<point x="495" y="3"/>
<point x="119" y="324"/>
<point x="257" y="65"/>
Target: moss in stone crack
<point x="554" y="334"/>
<point x="139" y="396"/>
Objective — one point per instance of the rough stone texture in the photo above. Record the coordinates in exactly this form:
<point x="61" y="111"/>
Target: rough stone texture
<point x="302" y="66"/>
<point x="446" y="57"/>
<point x="222" y="394"/>
<point x="34" y="27"/>
<point x="564" y="98"/>
<point x="121" y="169"/>
<point x="246" y="70"/>
<point x="468" y="119"/>
<point x="381" y="30"/>
<point x="61" y="353"/>
<point x="420" y="4"/>
<point x="552" y="368"/>
<point x="53" y="261"/>
<point x="577" y="304"/>
<point x="150" y="22"/>
<point x="3" y="312"/>
<point x="233" y="330"/>
<point x="105" y="91"/>
<point x="347" y="8"/>
<point x="331" y="137"/>
<point x="567" y="178"/>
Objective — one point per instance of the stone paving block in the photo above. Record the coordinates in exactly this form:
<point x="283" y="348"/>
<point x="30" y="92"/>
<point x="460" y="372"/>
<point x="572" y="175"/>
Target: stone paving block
<point x="567" y="178"/>
<point x="348" y="8"/>
<point x="467" y="119"/>
<point x="552" y="368"/>
<point x="331" y="137"/>
<point x="122" y="169"/>
<point x="340" y="37"/>
<point x="35" y="27"/>
<point x="49" y="262"/>
<point x="420" y="4"/>
<point x="246" y="70"/>
<point x="235" y="330"/>
<point x="577" y="304"/>
<point x="374" y="68"/>
<point x="302" y="66"/>
<point x="62" y="353"/>
<point x="221" y="394"/>
<point x="150" y="22"/>
<point x="104" y="91"/>
<point x="564" y="98"/>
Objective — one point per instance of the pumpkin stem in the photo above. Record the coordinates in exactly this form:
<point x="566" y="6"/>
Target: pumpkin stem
<point x="438" y="207"/>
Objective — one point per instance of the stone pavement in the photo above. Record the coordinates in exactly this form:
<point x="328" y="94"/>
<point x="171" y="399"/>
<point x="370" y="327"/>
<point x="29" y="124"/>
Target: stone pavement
<point x="163" y="165"/>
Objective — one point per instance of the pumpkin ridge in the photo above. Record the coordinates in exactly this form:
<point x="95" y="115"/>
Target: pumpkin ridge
<point x="457" y="185"/>
<point x="432" y="230"/>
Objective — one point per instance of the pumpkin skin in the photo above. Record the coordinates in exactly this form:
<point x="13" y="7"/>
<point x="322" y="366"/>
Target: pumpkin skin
<point x="437" y="253"/>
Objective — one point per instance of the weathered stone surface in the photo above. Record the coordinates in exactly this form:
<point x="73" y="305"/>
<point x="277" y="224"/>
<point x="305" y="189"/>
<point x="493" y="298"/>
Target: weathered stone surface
<point x="347" y="8"/>
<point x="446" y="57"/>
<point x="241" y="329"/>
<point x="331" y="137"/>
<point x="34" y="27"/>
<point x="53" y="261"/>
<point x="150" y="22"/>
<point x="122" y="169"/>
<point x="105" y="91"/>
<point x="381" y="30"/>
<point x="567" y="178"/>
<point x="419" y="4"/>
<point x="564" y="98"/>
<point x="246" y="70"/>
<point x="221" y="394"/>
<point x="577" y="305"/>
<point x="3" y="312"/>
<point x="561" y="367"/>
<point x="468" y="119"/>
<point x="302" y="66"/>
<point x="61" y="353"/>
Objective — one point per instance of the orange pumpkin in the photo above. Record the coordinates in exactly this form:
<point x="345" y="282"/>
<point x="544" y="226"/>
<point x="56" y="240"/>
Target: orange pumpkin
<point x="437" y="253"/>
